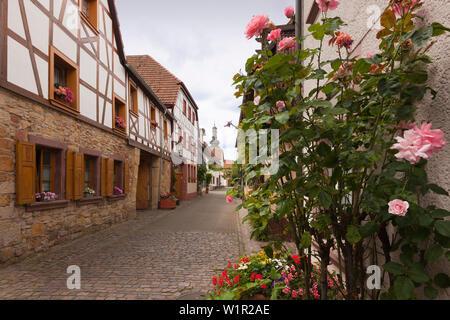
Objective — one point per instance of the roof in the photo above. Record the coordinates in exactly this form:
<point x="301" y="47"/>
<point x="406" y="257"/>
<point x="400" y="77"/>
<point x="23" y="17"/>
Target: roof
<point x="163" y="83"/>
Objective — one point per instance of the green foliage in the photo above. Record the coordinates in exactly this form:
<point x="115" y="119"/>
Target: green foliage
<point x="337" y="171"/>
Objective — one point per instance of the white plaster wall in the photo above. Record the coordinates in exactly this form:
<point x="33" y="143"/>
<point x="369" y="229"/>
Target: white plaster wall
<point x="20" y="71"/>
<point x="42" y="67"/>
<point x="88" y="69"/>
<point x="64" y="43"/>
<point x="119" y="89"/>
<point x="88" y="103"/>
<point x="15" y="18"/>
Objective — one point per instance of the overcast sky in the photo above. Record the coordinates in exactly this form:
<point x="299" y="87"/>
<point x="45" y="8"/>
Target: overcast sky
<point x="202" y="42"/>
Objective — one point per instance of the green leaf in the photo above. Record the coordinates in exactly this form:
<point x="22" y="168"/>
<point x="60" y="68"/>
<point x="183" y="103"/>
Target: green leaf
<point x="437" y="189"/>
<point x="421" y="36"/>
<point x="317" y="30"/>
<point x="336" y="111"/>
<point x="394" y="268"/>
<point x="263" y="119"/>
<point x="438" y="29"/>
<point x="403" y="288"/>
<point x="440" y="213"/>
<point x="417" y="273"/>
<point x="325" y="199"/>
<point x="442" y="280"/>
<point x="388" y="87"/>
<point x="283" y="117"/>
<point x="361" y="66"/>
<point x="443" y="227"/>
<point x="353" y="235"/>
<point x="269" y="251"/>
<point x="430" y="292"/>
<point x="368" y="229"/>
<point x="434" y="253"/>
<point x="306" y="240"/>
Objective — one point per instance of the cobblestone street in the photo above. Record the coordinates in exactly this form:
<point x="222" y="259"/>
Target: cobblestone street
<point x="160" y="255"/>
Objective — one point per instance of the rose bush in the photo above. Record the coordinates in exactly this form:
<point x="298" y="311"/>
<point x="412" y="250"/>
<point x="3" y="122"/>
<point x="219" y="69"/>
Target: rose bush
<point x="350" y="151"/>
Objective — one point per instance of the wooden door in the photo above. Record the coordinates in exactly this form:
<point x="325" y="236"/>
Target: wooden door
<point x="143" y="186"/>
<point x="179" y="184"/>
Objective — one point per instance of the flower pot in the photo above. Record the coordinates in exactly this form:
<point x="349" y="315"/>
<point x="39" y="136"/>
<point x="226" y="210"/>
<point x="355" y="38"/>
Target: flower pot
<point x="167" y="204"/>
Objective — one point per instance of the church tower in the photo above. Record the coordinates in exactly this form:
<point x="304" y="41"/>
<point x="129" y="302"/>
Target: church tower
<point x="214" y="142"/>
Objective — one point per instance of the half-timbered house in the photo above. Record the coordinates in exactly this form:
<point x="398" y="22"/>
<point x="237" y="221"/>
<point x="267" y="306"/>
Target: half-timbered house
<point x="74" y="121"/>
<point x="176" y="97"/>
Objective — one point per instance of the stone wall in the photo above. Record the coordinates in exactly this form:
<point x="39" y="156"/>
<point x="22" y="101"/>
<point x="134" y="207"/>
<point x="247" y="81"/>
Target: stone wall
<point x="24" y="233"/>
<point x="358" y="16"/>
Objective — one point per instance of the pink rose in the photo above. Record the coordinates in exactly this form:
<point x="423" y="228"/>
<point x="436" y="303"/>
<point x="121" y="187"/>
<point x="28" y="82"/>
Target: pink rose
<point x="433" y="137"/>
<point x="286" y="43"/>
<point x="257" y="100"/>
<point x="343" y="40"/>
<point x="274" y="35"/>
<point x="281" y="106"/>
<point x="326" y="5"/>
<point x="229" y="199"/>
<point x="411" y="147"/>
<point x="398" y="207"/>
<point x="257" y="25"/>
<point x="369" y="55"/>
<point x="289" y="12"/>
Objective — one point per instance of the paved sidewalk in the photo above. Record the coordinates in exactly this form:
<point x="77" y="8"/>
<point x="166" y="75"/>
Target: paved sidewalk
<point x="160" y="255"/>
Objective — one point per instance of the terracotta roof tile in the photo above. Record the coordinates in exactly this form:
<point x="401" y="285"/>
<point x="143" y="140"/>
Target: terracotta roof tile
<point x="163" y="83"/>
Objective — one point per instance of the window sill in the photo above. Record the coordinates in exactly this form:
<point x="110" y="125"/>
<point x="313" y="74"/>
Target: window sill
<point x="42" y="206"/>
<point x="64" y="106"/>
<point x="117" y="197"/>
<point x="122" y="132"/>
<point x="88" y="201"/>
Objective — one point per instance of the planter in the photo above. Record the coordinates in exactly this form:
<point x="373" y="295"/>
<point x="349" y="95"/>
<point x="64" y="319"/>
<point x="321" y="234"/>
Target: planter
<point x="167" y="204"/>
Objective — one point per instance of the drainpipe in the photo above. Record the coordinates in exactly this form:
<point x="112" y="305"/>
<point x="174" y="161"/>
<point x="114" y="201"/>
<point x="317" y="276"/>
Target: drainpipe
<point x="161" y="157"/>
<point x="298" y="22"/>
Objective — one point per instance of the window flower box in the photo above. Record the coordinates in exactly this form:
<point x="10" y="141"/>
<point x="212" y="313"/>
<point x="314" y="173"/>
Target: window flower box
<point x="118" y="191"/>
<point x="168" y="201"/>
<point x="120" y="123"/>
<point x="63" y="94"/>
<point x="89" y="193"/>
<point x="154" y="124"/>
<point x="45" y="197"/>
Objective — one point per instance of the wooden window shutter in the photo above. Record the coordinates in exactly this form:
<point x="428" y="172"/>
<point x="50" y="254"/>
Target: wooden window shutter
<point x="103" y="176"/>
<point x="110" y="177"/>
<point x="26" y="172"/>
<point x="69" y="175"/>
<point x="126" y="178"/>
<point x="78" y="175"/>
